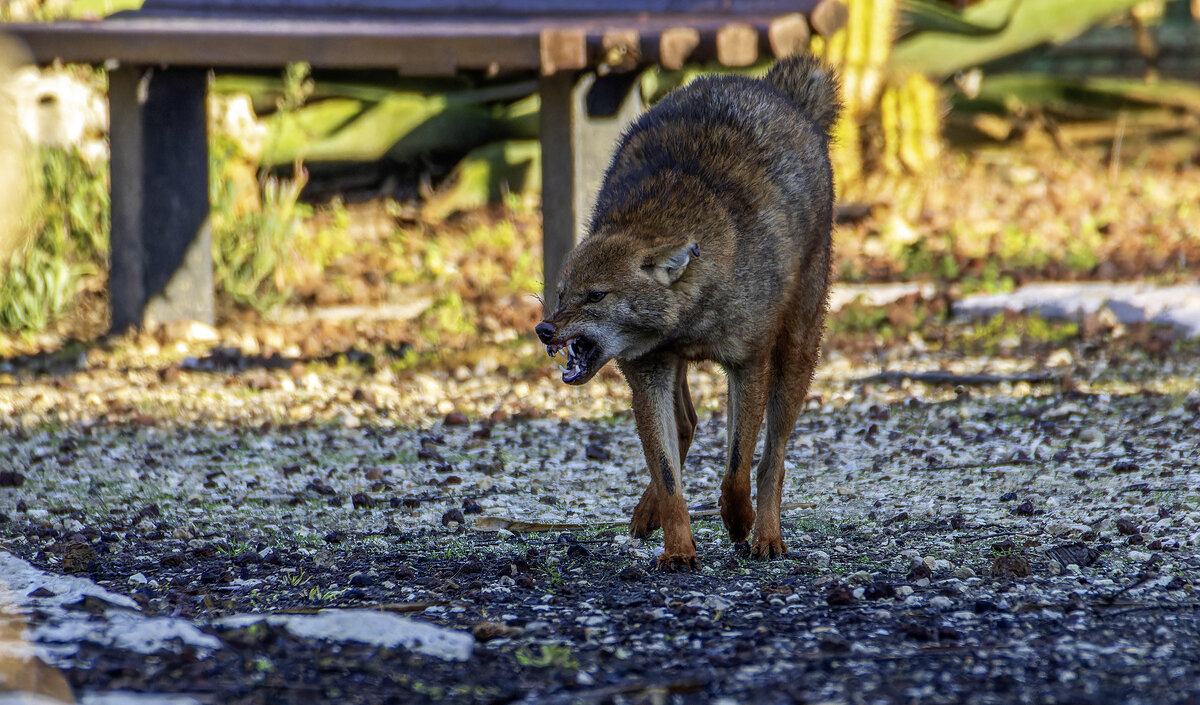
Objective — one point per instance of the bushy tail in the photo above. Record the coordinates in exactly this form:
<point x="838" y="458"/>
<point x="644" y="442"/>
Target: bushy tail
<point x="812" y="85"/>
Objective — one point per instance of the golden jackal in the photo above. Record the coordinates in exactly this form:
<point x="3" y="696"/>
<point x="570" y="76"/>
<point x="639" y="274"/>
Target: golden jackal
<point x="710" y="240"/>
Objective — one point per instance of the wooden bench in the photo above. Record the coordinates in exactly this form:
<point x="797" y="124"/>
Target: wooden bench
<point x="160" y="58"/>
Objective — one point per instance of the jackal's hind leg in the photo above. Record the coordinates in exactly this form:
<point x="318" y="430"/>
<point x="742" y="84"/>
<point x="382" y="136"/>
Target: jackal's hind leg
<point x="789" y="387"/>
<point x="645" y="515"/>
<point x="747" y="388"/>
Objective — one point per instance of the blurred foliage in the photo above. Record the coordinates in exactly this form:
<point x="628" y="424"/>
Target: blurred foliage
<point x="69" y="226"/>
<point x="49" y="10"/>
<point x="254" y="244"/>
<point x="252" y="251"/>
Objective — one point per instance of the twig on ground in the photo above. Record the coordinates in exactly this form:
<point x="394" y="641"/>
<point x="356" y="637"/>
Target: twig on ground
<point x="998" y="534"/>
<point x="1150" y="606"/>
<point x="403" y="607"/>
<point x="1142" y="579"/>
<point x="940" y="377"/>
<point x="1145" y="487"/>
<point x="984" y="464"/>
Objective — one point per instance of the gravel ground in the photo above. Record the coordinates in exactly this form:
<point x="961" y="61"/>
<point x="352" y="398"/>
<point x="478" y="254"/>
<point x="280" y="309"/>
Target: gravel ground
<point x="1032" y="540"/>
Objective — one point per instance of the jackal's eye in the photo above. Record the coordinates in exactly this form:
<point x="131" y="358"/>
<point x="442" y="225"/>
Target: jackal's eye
<point x="595" y="296"/>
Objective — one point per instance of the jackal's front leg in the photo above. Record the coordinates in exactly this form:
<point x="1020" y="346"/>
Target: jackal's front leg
<point x="653" y="383"/>
<point x="645" y="514"/>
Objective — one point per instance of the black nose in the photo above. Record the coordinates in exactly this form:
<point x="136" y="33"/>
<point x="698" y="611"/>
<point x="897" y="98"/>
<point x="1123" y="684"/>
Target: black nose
<point x="545" y="331"/>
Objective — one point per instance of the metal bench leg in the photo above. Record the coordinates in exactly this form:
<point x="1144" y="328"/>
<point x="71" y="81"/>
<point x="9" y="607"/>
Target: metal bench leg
<point x="161" y="262"/>
<point x="581" y="122"/>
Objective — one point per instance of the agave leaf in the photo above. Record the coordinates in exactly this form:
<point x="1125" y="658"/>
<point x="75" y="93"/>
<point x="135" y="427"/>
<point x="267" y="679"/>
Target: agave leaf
<point x="485" y="174"/>
<point x="943" y="53"/>
<point x="401" y="127"/>
<point x="1090" y="98"/>
<point x="266" y="91"/>
<point x="931" y="15"/>
<point x="292" y="134"/>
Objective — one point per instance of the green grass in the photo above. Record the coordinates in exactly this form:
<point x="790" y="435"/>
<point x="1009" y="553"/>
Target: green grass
<point x="552" y="656"/>
<point x="66" y="241"/>
<point x="990" y="336"/>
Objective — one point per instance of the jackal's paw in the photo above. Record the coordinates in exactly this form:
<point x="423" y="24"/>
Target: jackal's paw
<point x="645" y="519"/>
<point x="678" y="562"/>
<point x="767" y="547"/>
<point x="738" y="518"/>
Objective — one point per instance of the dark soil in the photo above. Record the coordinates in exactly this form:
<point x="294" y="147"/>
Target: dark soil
<point x="577" y="621"/>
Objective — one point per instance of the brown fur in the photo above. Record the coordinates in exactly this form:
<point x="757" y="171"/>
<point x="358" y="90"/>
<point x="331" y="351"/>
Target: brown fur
<point x="710" y="241"/>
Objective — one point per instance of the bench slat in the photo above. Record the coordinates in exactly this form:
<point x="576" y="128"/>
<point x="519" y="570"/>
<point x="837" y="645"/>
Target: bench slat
<point x="491" y="8"/>
<point x="417" y="45"/>
<point x="229" y="43"/>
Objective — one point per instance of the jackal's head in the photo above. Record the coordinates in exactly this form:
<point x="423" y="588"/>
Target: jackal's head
<point x="617" y="297"/>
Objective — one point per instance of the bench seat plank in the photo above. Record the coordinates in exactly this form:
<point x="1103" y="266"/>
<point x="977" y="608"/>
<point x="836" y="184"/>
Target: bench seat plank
<point x="413" y="45"/>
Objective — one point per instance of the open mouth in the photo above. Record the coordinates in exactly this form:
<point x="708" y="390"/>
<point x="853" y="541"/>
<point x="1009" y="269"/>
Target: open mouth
<point x="581" y="356"/>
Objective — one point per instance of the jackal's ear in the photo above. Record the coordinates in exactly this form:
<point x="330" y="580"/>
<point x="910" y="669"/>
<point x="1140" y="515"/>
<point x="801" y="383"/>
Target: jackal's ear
<point x="669" y="265"/>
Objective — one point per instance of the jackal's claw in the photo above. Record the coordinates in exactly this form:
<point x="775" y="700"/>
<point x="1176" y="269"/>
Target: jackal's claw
<point x="738" y="517"/>
<point x="768" y="548"/>
<point x="680" y="563"/>
<point x="642" y="530"/>
<point x="644" y="521"/>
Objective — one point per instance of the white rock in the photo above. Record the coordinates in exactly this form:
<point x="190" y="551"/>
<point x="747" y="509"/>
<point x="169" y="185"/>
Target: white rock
<point x="1091" y="437"/>
<point x="859" y="576"/>
<point x="368" y="627"/>
<point x="54" y="107"/>
<point x="121" y="624"/>
<point x="716" y="603"/>
<point x="185" y="331"/>
<point x="941" y="602"/>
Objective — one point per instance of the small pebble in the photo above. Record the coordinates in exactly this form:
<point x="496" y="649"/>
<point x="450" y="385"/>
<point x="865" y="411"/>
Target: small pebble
<point x="941" y="602"/>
